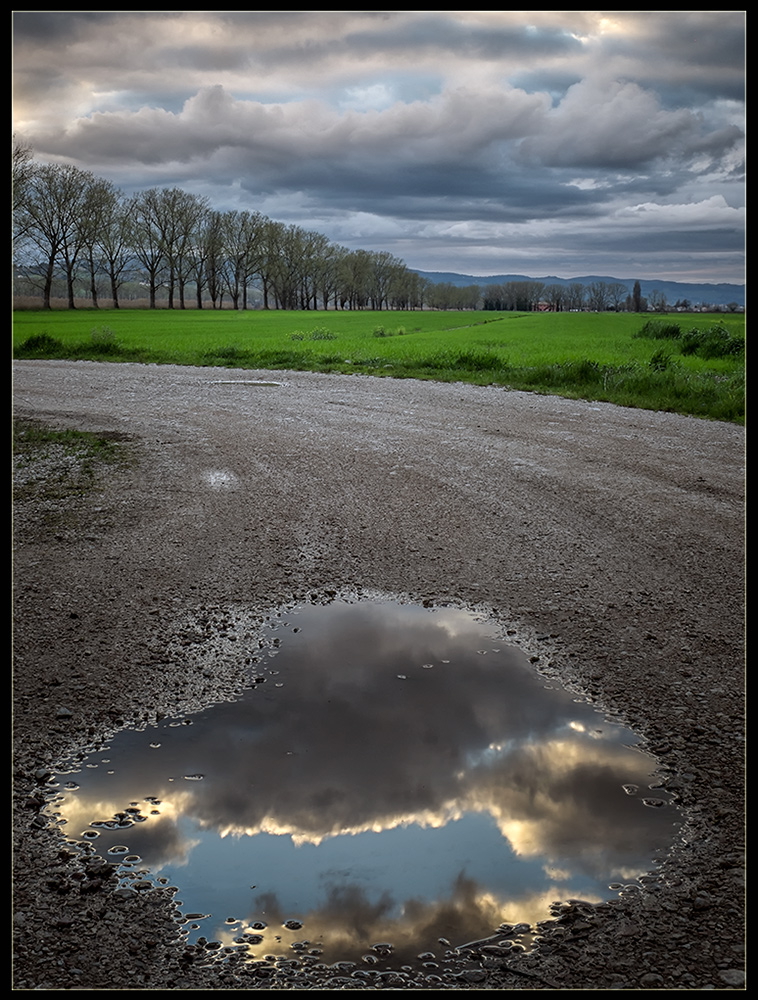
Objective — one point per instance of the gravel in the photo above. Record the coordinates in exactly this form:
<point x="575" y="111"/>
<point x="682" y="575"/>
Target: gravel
<point x="609" y="540"/>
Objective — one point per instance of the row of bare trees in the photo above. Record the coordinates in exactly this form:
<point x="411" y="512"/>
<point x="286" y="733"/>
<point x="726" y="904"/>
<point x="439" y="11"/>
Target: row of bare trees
<point x="598" y="296"/>
<point x="70" y="224"/>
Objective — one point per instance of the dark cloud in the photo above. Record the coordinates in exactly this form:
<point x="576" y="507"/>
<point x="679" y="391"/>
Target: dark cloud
<point x="441" y="35"/>
<point x="58" y="27"/>
<point x="416" y="119"/>
<point x="720" y="240"/>
<point x="687" y="55"/>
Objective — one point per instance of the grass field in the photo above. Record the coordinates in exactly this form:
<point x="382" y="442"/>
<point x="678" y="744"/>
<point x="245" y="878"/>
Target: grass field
<point x="598" y="356"/>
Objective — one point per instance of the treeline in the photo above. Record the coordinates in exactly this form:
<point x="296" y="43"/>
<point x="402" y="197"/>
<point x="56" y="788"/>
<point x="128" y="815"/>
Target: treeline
<point x="599" y="296"/>
<point x="77" y="230"/>
<point x="77" y="236"/>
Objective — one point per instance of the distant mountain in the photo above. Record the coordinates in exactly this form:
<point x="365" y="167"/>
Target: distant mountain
<point x="697" y="294"/>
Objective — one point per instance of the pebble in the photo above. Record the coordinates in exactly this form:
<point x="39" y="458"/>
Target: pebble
<point x="733" y="977"/>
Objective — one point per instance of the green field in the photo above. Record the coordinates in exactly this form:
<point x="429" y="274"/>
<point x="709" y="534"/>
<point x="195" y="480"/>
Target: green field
<point x="597" y="356"/>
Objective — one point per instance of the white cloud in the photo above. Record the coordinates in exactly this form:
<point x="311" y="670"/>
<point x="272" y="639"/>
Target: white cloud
<point x="618" y="125"/>
<point x="713" y="212"/>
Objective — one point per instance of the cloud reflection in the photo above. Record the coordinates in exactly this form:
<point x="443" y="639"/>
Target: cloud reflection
<point x="381" y="718"/>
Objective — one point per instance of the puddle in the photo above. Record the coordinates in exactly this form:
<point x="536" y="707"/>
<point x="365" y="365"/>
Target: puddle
<point x="394" y="781"/>
<point x="243" y="381"/>
<point x="220" y="479"/>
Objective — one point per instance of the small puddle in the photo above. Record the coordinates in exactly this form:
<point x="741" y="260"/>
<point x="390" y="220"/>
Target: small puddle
<point x="394" y="782"/>
<point x="245" y="381"/>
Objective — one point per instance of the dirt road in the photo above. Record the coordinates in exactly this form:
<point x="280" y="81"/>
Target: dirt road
<point x="610" y="540"/>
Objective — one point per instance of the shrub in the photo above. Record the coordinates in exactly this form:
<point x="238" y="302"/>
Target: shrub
<point x="103" y="335"/>
<point x="715" y="342"/>
<point x="103" y="341"/>
<point x="659" y="329"/>
<point x="39" y="344"/>
<point x="380" y="331"/>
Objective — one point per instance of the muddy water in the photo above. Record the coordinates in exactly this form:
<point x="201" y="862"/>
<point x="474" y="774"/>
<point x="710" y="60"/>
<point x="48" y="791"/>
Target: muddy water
<point x="391" y="775"/>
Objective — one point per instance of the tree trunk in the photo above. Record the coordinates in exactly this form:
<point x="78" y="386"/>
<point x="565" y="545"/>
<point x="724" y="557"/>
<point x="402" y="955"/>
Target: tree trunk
<point x="48" y="286"/>
<point x="93" y="284"/>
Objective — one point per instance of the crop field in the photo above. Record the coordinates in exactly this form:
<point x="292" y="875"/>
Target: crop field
<point x="685" y="363"/>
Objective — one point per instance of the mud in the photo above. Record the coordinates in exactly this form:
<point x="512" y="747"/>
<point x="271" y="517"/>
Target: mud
<point x="609" y="542"/>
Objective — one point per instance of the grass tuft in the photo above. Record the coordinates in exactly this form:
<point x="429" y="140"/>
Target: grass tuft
<point x="41" y="345"/>
<point x="658" y="329"/>
<point x="715" y="342"/>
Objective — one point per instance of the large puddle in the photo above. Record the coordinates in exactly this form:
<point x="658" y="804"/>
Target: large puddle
<point x="395" y="781"/>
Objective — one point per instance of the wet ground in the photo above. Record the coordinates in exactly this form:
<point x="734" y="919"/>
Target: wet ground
<point x="606" y="543"/>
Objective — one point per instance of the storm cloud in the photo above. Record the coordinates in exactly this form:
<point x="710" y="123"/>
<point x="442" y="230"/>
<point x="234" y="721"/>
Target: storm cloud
<point x="544" y="142"/>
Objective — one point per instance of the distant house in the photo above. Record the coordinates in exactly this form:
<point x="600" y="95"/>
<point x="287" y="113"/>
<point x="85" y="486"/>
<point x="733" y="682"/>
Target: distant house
<point x="544" y="307"/>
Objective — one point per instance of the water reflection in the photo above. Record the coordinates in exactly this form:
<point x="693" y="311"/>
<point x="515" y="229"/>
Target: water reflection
<point x="392" y="773"/>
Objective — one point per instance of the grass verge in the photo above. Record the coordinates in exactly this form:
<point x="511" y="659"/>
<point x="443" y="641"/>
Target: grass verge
<point x="612" y="357"/>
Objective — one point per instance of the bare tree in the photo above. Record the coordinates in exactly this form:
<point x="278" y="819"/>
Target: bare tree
<point x="146" y="238"/>
<point x="409" y="290"/>
<point x="242" y="236"/>
<point x="617" y="295"/>
<point x="523" y="295"/>
<point x="56" y="219"/>
<point x="384" y="269"/>
<point x="187" y="214"/>
<point x="286" y="256"/>
<point x="657" y="300"/>
<point x="556" y="297"/>
<point x="204" y="255"/>
<point x="164" y="227"/>
<point x="104" y="238"/>
<point x="113" y="244"/>
<point x="355" y="273"/>
<point x="269" y="259"/>
<point x="327" y="273"/>
<point x="597" y="296"/>
<point x="314" y="249"/>
<point x="575" y="296"/>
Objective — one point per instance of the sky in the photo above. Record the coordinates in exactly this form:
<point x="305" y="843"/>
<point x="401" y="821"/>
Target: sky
<point x="544" y="143"/>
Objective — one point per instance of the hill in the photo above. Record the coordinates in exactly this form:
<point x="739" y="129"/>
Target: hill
<point x="697" y="294"/>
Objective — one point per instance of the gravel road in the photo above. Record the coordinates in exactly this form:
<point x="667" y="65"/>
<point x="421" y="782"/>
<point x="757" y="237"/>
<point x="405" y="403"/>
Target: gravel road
<point x="610" y="540"/>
